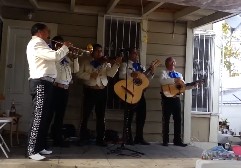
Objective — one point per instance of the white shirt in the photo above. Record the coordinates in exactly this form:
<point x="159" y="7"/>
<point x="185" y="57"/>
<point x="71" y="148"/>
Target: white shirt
<point x="166" y="79"/>
<point x="65" y="70"/>
<point x="41" y="58"/>
<point x="104" y="70"/>
<point x="123" y="70"/>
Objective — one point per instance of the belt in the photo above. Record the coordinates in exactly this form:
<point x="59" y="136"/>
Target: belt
<point x="47" y="78"/>
<point x="96" y="87"/>
<point x="63" y="86"/>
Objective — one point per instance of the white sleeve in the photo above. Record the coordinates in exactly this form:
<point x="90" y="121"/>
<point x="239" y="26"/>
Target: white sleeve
<point x="75" y="66"/>
<point x="83" y="74"/>
<point x="122" y="70"/>
<point x="45" y="52"/>
<point x="111" y="70"/>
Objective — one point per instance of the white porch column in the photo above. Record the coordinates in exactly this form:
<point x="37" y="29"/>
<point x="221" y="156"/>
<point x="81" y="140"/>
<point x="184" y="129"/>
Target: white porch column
<point x="188" y="94"/>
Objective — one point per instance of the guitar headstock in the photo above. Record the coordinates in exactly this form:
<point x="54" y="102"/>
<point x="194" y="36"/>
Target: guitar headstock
<point x="200" y="81"/>
<point x="155" y="63"/>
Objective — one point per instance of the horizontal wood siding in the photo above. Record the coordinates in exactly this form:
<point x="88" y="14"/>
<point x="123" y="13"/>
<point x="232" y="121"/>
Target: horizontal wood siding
<point x="165" y="39"/>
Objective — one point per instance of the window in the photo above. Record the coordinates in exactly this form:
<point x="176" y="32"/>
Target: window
<point x="203" y="69"/>
<point x="121" y="33"/>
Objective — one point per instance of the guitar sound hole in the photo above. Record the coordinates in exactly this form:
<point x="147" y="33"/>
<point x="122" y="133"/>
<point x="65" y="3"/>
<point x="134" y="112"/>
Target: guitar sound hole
<point x="179" y="87"/>
<point x="137" y="81"/>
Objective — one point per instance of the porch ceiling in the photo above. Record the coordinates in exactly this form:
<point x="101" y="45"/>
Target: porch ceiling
<point x="199" y="12"/>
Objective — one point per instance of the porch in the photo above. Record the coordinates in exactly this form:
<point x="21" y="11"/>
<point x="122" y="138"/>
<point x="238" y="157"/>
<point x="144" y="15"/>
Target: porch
<point x="92" y="156"/>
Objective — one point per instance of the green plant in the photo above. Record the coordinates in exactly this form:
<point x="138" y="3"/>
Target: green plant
<point x="224" y="121"/>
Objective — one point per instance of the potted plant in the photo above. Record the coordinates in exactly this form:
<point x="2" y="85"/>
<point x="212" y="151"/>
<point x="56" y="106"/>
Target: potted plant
<point x="224" y="123"/>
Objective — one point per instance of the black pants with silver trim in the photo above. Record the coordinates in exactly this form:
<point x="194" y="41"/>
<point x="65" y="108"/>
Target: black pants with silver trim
<point x="41" y="92"/>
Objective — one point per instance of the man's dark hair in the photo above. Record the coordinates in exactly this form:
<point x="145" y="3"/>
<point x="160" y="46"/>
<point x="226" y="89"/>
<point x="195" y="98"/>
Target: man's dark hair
<point x="95" y="46"/>
<point x="133" y="50"/>
<point x="37" y="27"/>
<point x="167" y="60"/>
<point x="54" y="39"/>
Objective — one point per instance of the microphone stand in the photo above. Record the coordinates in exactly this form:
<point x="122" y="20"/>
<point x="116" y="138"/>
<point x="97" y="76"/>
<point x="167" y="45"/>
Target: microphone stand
<point x="126" y="130"/>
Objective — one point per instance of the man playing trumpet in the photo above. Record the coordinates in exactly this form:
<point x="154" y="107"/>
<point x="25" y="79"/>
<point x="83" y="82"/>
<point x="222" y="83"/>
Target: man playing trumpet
<point x="42" y="70"/>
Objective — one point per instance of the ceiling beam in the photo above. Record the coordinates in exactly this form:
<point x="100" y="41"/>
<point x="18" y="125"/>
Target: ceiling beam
<point x="112" y="4"/>
<point x="217" y="16"/>
<point x="65" y="8"/>
<point x="34" y="3"/>
<point x="72" y="5"/>
<point x="152" y="6"/>
<point x="186" y="11"/>
<point x="89" y="9"/>
<point x="51" y="6"/>
<point x="16" y="4"/>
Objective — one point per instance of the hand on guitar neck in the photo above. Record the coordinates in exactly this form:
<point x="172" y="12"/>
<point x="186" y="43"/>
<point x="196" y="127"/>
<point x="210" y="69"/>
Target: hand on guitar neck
<point x="171" y="90"/>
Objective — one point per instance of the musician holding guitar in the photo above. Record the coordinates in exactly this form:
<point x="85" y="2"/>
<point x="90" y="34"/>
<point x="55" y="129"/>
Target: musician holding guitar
<point x="134" y="69"/>
<point x="171" y="104"/>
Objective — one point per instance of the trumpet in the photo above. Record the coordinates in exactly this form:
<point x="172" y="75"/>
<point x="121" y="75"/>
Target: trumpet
<point x="75" y="51"/>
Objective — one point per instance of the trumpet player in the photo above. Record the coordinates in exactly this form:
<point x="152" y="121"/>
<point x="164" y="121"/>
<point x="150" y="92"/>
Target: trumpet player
<point x="65" y="67"/>
<point x="42" y="69"/>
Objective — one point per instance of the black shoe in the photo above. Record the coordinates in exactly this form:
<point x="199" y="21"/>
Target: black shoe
<point x="101" y="143"/>
<point x="141" y="142"/>
<point x="164" y="144"/>
<point x="180" y="144"/>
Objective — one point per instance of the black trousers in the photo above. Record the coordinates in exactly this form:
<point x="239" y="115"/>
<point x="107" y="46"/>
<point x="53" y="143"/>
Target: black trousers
<point x="171" y="106"/>
<point x="94" y="98"/>
<point x="140" y="110"/>
<point x="41" y="92"/>
<point x="60" y="100"/>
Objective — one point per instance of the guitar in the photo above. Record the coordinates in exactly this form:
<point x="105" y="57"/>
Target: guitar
<point x="171" y="90"/>
<point x="130" y="90"/>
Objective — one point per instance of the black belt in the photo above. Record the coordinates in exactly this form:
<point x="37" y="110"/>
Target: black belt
<point x="47" y="78"/>
<point x="60" y="85"/>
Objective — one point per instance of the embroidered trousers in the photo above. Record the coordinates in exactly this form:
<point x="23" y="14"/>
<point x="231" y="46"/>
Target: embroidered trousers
<point x="41" y="92"/>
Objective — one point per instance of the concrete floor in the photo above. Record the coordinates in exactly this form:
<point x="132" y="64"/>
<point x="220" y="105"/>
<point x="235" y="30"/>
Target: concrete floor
<point x="91" y="156"/>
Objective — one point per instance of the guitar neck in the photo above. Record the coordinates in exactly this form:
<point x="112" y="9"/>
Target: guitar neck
<point x="190" y="84"/>
<point x="193" y="83"/>
<point x="147" y="71"/>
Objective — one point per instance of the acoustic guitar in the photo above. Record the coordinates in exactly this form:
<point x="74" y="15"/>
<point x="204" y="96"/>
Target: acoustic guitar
<point x="171" y="90"/>
<point x="130" y="90"/>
